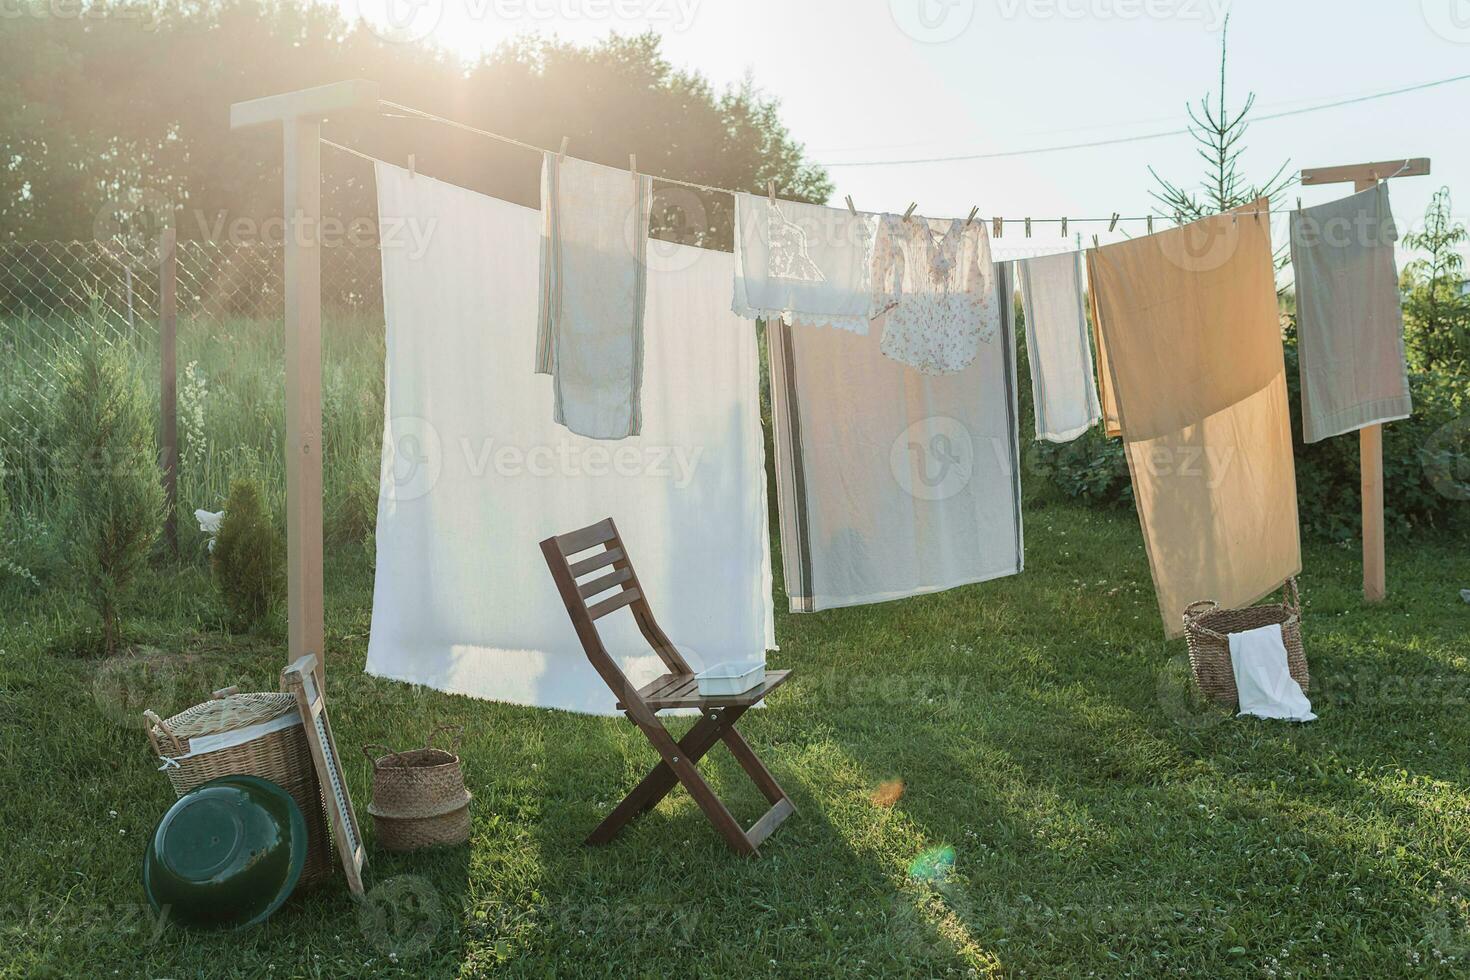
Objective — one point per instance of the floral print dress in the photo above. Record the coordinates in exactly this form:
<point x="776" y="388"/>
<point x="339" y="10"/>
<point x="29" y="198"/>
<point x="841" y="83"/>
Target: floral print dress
<point x="934" y="284"/>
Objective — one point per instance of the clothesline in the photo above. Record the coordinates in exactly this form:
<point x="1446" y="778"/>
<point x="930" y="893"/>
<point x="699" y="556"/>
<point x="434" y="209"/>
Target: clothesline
<point x="404" y="111"/>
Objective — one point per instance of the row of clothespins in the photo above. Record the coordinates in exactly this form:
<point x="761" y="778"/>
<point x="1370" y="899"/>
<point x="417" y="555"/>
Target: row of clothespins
<point x="997" y="224"/>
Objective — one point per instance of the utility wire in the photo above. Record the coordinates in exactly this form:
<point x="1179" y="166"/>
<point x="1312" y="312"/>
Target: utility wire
<point x="404" y="111"/>
<point x="1140" y="138"/>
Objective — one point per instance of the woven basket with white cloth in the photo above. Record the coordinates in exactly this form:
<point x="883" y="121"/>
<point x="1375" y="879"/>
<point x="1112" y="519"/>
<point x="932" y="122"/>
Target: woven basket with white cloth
<point x="255" y="734"/>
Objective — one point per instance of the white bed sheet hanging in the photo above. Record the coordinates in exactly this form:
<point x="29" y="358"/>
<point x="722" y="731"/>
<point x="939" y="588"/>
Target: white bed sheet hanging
<point x="476" y="473"/>
<point x="893" y="483"/>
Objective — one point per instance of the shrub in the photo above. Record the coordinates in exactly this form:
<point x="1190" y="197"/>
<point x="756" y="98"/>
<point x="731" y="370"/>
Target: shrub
<point x="10" y="566"/>
<point x="1090" y="468"/>
<point x="247" y="556"/>
<point x="1426" y="461"/>
<point x="111" y="496"/>
<point x="1424" y="457"/>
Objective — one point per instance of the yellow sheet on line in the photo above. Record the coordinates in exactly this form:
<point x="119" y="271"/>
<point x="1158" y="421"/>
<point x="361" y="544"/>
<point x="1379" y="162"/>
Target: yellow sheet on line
<point x="1191" y="352"/>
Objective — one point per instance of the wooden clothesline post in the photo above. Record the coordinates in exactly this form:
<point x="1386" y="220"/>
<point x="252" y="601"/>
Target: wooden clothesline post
<point x="1370" y="438"/>
<point x="168" y="388"/>
<point x="300" y="116"/>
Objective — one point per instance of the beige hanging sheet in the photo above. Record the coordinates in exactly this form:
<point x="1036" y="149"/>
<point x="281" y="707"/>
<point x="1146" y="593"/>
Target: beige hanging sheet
<point x="1193" y="359"/>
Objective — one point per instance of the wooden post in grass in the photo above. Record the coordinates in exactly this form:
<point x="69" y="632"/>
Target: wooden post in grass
<point x="169" y="383"/>
<point x="1370" y="438"/>
<point x="300" y="116"/>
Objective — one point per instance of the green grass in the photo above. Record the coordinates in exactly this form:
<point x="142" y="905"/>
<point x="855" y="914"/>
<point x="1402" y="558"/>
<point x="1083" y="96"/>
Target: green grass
<point x="1100" y="822"/>
<point x="231" y="409"/>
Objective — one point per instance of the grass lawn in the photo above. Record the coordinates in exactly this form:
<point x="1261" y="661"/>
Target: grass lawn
<point x="1036" y="730"/>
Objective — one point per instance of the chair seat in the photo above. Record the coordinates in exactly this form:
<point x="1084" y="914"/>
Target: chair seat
<point x="682" y="691"/>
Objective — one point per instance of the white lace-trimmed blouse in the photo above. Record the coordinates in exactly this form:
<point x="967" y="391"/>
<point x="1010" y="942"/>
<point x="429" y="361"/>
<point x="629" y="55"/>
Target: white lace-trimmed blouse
<point x="933" y="284"/>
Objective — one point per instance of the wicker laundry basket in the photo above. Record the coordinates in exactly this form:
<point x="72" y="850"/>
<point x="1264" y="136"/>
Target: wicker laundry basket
<point x="256" y="734"/>
<point x="1207" y="628"/>
<point x="419" y="796"/>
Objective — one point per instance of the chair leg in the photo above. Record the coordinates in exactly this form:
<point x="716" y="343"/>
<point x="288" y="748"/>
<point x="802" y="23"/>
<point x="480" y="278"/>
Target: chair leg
<point x="781" y="805"/>
<point x="680" y="765"/>
<point x="661" y="778"/>
<point x="688" y="774"/>
<point x="753" y="766"/>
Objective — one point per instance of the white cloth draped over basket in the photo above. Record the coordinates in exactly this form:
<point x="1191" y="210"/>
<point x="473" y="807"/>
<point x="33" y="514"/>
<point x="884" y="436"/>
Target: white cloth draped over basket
<point x="1262" y="677"/>
<point x="476" y="473"/>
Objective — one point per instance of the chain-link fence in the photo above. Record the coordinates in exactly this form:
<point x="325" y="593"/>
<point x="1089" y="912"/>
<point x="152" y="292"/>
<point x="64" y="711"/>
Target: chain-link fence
<point x="55" y="295"/>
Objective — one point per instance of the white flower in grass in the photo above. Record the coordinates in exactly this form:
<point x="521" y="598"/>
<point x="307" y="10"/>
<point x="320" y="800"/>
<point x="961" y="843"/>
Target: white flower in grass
<point x="209" y="523"/>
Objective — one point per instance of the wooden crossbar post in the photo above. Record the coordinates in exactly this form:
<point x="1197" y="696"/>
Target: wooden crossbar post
<point x="300" y="116"/>
<point x="1370" y="438"/>
<point x="168" y="389"/>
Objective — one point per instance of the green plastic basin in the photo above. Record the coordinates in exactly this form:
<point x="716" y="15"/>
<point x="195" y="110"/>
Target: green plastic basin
<point x="226" y="854"/>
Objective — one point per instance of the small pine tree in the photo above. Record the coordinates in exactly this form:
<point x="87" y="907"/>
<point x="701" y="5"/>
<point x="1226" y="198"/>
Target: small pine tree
<point x="1218" y="131"/>
<point x="1436" y="308"/>
<point x="247" y="556"/>
<point x="112" y="498"/>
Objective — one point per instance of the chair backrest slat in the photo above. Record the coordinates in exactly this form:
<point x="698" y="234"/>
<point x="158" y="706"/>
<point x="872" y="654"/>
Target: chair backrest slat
<point x="589" y="589"/>
<point x="599" y="560"/>
<point x="624" y="598"/>
<point x="587" y="537"/>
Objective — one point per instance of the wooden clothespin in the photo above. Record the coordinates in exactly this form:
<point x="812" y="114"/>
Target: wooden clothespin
<point x="1064" y="227"/>
<point x="1094" y="242"/>
<point x="1150" y="224"/>
<point x="1298" y="204"/>
<point x="412" y="166"/>
<point x="910" y="212"/>
<point x="771" y="191"/>
<point x="562" y="153"/>
<point x="1114" y="222"/>
<point x="1028" y="227"/>
<point x="852" y="210"/>
<point x="997" y="227"/>
<point x="973" y="212"/>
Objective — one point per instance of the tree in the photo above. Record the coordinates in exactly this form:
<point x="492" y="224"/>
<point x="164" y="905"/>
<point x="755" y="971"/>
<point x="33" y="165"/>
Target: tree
<point x="1436" y="306"/>
<point x="112" y="498"/>
<point x="122" y="111"/>
<point x="1219" y="132"/>
<point x="247" y="556"/>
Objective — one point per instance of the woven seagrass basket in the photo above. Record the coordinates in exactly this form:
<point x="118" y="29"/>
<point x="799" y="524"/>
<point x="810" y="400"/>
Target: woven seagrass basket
<point x="194" y="746"/>
<point x="419" y="796"/>
<point x="1207" y="628"/>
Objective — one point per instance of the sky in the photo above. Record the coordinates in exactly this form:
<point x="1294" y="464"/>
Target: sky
<point x="864" y="82"/>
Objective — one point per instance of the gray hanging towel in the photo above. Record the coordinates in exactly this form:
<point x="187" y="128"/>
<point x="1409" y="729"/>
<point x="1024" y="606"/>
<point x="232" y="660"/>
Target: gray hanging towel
<point x="1350" y="328"/>
<point x="589" y="334"/>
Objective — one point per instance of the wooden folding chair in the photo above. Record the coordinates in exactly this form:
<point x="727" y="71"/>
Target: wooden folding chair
<point x="675" y="689"/>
